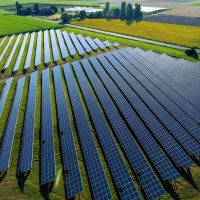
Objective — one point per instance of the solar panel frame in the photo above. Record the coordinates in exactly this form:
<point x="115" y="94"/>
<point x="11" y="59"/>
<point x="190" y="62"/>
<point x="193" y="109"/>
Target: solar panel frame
<point x="73" y="181"/>
<point x="68" y="41"/>
<point x="97" y="178"/>
<point x="6" y="146"/>
<point x="118" y="169"/>
<point x="48" y="167"/>
<point x="8" y="61"/>
<point x="91" y="43"/>
<point x="30" y="52"/>
<point x="77" y="44"/>
<point x="55" y="50"/>
<point x="147" y="179"/>
<point x="61" y="42"/>
<point x="6" y="47"/>
<point x="38" y="49"/>
<point x="26" y="150"/>
<point x="47" y="58"/>
<point x="21" y="51"/>
<point x="4" y="94"/>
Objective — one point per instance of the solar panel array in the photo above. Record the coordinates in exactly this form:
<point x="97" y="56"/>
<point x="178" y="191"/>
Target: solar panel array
<point x="47" y="58"/>
<point x="54" y="46"/>
<point x="99" y="43"/>
<point x="8" y="137"/>
<point x="26" y="153"/>
<point x="38" y="49"/>
<point x="69" y="44"/>
<point x="84" y="43"/>
<point x="118" y="111"/>
<point x="91" y="43"/>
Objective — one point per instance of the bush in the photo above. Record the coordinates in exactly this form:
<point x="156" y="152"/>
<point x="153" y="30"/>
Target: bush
<point x="192" y="52"/>
<point x="65" y="17"/>
<point x="82" y="14"/>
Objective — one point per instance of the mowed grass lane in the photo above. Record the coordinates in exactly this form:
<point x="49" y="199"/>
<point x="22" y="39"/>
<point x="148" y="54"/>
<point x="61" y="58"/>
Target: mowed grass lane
<point x="12" y="24"/>
<point x="188" y="36"/>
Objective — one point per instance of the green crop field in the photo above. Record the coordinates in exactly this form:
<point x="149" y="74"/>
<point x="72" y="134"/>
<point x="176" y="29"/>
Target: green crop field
<point x="59" y="2"/>
<point x="170" y="33"/>
<point x="12" y="24"/>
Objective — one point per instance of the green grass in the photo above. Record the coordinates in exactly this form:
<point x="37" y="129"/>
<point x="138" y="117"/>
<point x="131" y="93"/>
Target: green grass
<point x="58" y="2"/>
<point x="13" y="24"/>
<point x="196" y="4"/>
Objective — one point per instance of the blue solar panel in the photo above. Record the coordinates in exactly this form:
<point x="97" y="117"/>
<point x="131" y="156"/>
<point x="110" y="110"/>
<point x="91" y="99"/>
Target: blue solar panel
<point x="146" y="177"/>
<point x="4" y="93"/>
<point x="146" y="114"/>
<point x="48" y="168"/>
<point x="38" y="49"/>
<point x="84" y="43"/>
<point x="73" y="180"/>
<point x="30" y="51"/>
<point x="99" y="43"/>
<point x="54" y="46"/>
<point x="95" y="171"/>
<point x="77" y="44"/>
<point x="107" y="43"/>
<point x="21" y="51"/>
<point x="68" y="41"/>
<point x="6" y="146"/>
<point x="26" y="152"/>
<point x="8" y="61"/>
<point x="6" y="47"/>
<point x="47" y="58"/>
<point x="118" y="169"/>
<point x="189" y="124"/>
<point x="152" y="149"/>
<point x="62" y="44"/>
<point x="91" y="43"/>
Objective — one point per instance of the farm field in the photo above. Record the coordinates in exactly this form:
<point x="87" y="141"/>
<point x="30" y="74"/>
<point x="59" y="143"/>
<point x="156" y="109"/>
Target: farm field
<point x="13" y="24"/>
<point x="175" y="34"/>
<point x="58" y="2"/>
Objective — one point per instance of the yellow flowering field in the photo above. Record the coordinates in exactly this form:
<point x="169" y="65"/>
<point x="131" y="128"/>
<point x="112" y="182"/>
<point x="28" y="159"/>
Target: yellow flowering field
<point x="170" y="33"/>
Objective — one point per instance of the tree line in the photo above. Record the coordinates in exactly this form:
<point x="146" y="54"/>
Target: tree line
<point x="126" y="11"/>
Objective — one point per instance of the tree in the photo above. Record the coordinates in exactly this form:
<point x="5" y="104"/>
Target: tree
<point x="62" y="10"/>
<point x="116" y="12"/>
<point x="107" y="8"/>
<point x="138" y="12"/>
<point x="99" y="14"/>
<point x="65" y="18"/>
<point x="82" y="14"/>
<point x="129" y="12"/>
<point x="123" y="10"/>
<point x="53" y="7"/>
<point x="192" y="52"/>
<point x="36" y="7"/>
<point x="18" y="7"/>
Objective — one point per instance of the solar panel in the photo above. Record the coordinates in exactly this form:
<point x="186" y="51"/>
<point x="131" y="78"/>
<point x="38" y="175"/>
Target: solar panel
<point x="38" y="49"/>
<point x="91" y="43"/>
<point x="6" y="47"/>
<point x="146" y="177"/>
<point x="3" y="40"/>
<point x="47" y="58"/>
<point x="190" y="125"/>
<point x="118" y="169"/>
<point x="116" y="44"/>
<point x="152" y="149"/>
<point x="162" y="135"/>
<point x="56" y="54"/>
<point x="77" y="44"/>
<point x="29" y="53"/>
<point x="21" y="51"/>
<point x="62" y="44"/>
<point x="99" y="185"/>
<point x="26" y="151"/>
<point x="48" y="168"/>
<point x="4" y="93"/>
<point x="163" y="84"/>
<point x="12" y="52"/>
<point x="6" y="146"/>
<point x="73" y="180"/>
<point x="99" y="43"/>
<point x="84" y="43"/>
<point x="107" y="43"/>
<point x="68" y="41"/>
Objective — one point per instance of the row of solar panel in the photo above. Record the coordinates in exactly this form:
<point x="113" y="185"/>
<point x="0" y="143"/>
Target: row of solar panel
<point x="140" y="99"/>
<point x="72" y="41"/>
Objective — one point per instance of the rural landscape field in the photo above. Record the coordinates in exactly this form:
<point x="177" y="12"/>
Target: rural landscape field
<point x="99" y="100"/>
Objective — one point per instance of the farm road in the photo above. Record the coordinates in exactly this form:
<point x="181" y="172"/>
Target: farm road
<point x="131" y="37"/>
